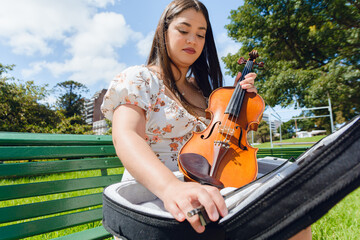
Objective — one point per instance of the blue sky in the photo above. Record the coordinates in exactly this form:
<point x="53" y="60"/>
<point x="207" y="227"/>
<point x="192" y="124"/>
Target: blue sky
<point x="89" y="41"/>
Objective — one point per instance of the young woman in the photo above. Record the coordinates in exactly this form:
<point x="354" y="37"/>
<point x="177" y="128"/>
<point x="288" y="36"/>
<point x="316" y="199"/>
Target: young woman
<point x="155" y="108"/>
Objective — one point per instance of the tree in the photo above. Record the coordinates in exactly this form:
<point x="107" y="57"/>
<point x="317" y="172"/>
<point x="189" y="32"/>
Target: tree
<point x="20" y="110"/>
<point x="70" y="101"/>
<point x="288" y="129"/>
<point x="72" y="125"/>
<point x="310" y="49"/>
<point x="262" y="134"/>
<point x="109" y="124"/>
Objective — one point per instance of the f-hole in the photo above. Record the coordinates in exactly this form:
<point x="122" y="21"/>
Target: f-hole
<point x="239" y="143"/>
<point x="212" y="129"/>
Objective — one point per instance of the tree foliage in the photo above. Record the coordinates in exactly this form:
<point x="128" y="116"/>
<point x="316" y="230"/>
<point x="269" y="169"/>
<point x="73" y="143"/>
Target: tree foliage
<point x="70" y="101"/>
<point x="72" y="125"/>
<point x="311" y="50"/>
<point x="21" y="109"/>
<point x="289" y="128"/>
<point x="262" y="134"/>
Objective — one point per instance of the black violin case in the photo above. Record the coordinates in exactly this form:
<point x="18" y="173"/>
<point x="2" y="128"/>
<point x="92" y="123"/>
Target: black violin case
<point x="286" y="198"/>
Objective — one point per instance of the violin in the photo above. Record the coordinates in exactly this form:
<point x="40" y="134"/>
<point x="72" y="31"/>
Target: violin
<point x="220" y="155"/>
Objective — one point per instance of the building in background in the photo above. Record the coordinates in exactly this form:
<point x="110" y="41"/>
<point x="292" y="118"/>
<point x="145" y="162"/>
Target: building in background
<point x="305" y="134"/>
<point x="89" y="111"/>
<point x="93" y="114"/>
<point x="275" y="124"/>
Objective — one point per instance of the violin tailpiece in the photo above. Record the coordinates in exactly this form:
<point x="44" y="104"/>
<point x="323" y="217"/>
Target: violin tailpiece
<point x="220" y="149"/>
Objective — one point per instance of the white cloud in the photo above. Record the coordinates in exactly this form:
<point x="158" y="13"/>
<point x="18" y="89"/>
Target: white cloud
<point x="87" y="70"/>
<point x="144" y="45"/>
<point x="28" y="44"/>
<point x="90" y="39"/>
<point x="27" y="26"/>
<point x="101" y="3"/>
<point x="226" y="45"/>
<point x="104" y="33"/>
<point x="93" y="49"/>
<point x="36" y="68"/>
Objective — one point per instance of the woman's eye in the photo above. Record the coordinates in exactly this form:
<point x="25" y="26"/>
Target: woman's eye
<point x="182" y="31"/>
<point x="201" y="36"/>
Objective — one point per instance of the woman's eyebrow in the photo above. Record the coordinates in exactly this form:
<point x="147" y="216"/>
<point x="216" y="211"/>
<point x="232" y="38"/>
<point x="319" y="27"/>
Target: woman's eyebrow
<point x="189" y="25"/>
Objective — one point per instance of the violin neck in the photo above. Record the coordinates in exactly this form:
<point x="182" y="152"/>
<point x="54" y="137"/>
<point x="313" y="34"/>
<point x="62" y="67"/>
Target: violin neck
<point x="234" y="106"/>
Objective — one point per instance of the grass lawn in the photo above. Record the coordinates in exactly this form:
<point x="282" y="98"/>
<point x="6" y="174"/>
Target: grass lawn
<point x="309" y="140"/>
<point x="54" y="177"/>
<point x="341" y="222"/>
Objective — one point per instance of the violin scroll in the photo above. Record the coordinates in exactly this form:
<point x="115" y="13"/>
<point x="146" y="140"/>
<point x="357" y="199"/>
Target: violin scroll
<point x="253" y="55"/>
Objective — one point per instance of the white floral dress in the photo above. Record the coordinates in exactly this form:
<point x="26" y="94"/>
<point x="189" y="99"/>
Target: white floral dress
<point x="168" y="125"/>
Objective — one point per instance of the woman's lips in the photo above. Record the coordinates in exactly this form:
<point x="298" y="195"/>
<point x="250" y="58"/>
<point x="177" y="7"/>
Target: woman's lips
<point x="189" y="50"/>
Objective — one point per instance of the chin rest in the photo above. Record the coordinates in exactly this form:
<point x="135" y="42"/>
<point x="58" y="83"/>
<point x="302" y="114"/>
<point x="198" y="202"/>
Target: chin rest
<point x="196" y="168"/>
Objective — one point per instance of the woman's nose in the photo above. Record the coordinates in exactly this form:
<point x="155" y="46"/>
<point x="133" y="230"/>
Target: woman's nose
<point x="191" y="38"/>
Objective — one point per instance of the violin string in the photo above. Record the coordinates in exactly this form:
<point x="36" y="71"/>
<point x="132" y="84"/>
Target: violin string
<point x="232" y="120"/>
<point x="227" y="131"/>
<point x="241" y="93"/>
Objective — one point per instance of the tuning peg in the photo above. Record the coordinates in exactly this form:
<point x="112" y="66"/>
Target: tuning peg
<point x="241" y="61"/>
<point x="260" y="64"/>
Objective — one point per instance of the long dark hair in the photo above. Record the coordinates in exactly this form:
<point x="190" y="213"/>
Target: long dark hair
<point x="206" y="69"/>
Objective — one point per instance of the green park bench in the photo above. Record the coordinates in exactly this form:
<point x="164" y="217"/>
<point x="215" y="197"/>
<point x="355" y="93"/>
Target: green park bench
<point x="28" y="161"/>
<point x="51" y="183"/>
<point x="281" y="152"/>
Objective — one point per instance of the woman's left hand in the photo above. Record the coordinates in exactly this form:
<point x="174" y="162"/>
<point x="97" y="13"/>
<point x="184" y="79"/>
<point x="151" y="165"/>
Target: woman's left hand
<point x="248" y="82"/>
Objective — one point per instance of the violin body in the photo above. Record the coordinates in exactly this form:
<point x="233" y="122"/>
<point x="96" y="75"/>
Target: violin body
<point x="221" y="155"/>
<point x="237" y="167"/>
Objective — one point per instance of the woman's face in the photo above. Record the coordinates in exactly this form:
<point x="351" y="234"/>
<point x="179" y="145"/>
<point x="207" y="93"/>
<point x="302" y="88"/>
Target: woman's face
<point x="185" y="37"/>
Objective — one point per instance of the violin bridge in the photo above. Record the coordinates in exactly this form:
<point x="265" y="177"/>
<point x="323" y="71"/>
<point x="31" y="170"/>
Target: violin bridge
<point x="220" y="149"/>
<point x="229" y="131"/>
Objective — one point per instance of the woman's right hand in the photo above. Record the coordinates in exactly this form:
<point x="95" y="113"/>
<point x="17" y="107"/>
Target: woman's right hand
<point x="181" y="197"/>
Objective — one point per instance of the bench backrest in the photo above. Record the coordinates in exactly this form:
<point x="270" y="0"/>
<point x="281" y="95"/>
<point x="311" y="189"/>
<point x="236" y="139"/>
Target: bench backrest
<point x="281" y="152"/>
<point x="58" y="178"/>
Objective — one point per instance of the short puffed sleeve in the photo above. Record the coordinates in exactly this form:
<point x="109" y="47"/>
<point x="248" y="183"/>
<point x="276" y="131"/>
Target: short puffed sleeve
<point x="135" y="85"/>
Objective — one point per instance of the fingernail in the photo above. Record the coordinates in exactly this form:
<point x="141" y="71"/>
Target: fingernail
<point x="215" y="216"/>
<point x="200" y="229"/>
<point x="181" y="216"/>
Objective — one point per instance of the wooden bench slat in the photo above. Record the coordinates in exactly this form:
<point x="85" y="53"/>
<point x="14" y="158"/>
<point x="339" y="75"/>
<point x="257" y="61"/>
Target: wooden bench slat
<point x="33" y="210"/>
<point x="15" y="138"/>
<point x="8" y="192"/>
<point x="11" y="170"/>
<point x="49" y="152"/>
<point x="26" y="229"/>
<point x="89" y="234"/>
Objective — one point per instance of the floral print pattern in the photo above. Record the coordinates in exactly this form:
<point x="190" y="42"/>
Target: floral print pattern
<point x="168" y="125"/>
